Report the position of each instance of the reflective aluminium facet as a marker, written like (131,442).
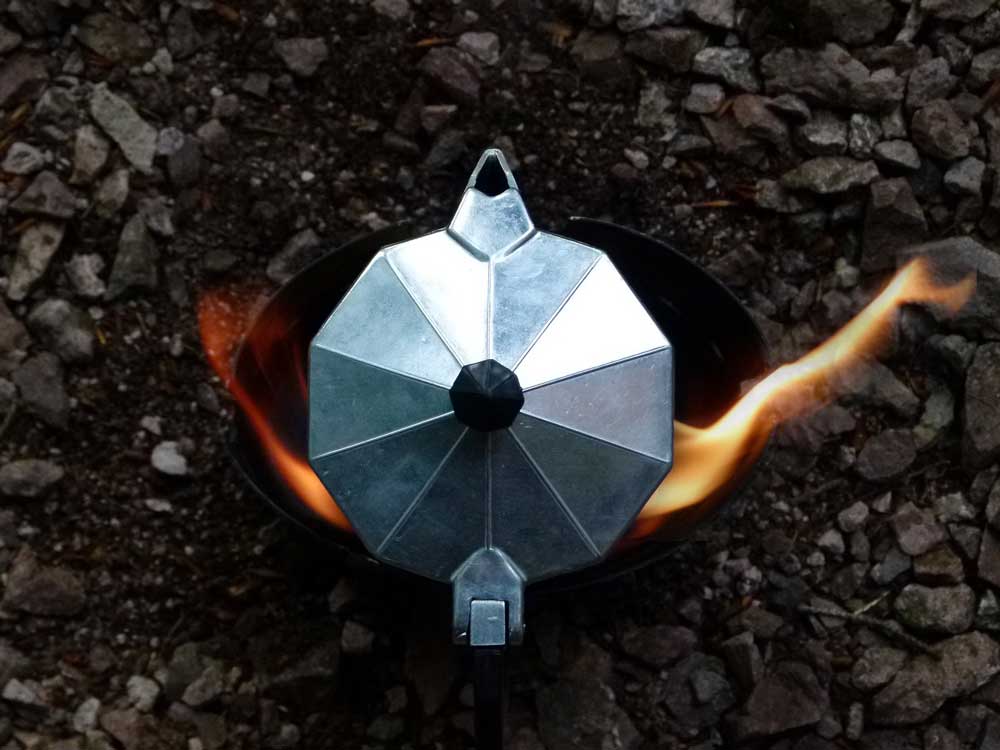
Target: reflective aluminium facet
(451,286)
(529,287)
(375,481)
(340,415)
(378,322)
(603,485)
(601,322)
(622,403)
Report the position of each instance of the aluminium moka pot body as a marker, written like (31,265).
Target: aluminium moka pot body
(490,405)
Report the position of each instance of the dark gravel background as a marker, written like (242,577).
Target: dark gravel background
(800,150)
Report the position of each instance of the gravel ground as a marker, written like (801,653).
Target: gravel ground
(800,150)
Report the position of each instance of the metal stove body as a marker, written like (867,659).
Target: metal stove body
(490,405)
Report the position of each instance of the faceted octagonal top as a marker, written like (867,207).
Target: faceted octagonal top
(413,426)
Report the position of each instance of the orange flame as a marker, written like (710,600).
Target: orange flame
(224,315)
(707,459)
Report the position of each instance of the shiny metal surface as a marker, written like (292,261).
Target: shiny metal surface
(529,287)
(451,287)
(614,403)
(493,510)
(601,322)
(406,342)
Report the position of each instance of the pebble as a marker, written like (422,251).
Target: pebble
(704,98)
(35,249)
(965,177)
(90,154)
(134,136)
(23,159)
(981,438)
(897,153)
(733,65)
(42,590)
(135,265)
(84,275)
(142,693)
(938,131)
(29,477)
(167,459)
(943,609)
(64,329)
(302,56)
(453,71)
(853,517)
(112,193)
(46,196)
(483,45)
(828,175)
(41,382)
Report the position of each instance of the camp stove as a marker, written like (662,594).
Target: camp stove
(491,405)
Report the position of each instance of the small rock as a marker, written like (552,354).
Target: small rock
(9,40)
(945,609)
(303,248)
(827,175)
(158,215)
(965,177)
(206,688)
(886,456)
(90,154)
(705,98)
(63,328)
(633,15)
(754,116)
(396,10)
(142,692)
(571,709)
(23,159)
(864,134)
(114,38)
(852,518)
(853,22)
(744,660)
(671,48)
(897,153)
(112,193)
(46,196)
(85,716)
(135,265)
(823,135)
(29,477)
(38,243)
(940,566)
(988,564)
(302,56)
(956,10)
(214,139)
(876,667)
(721,13)
(167,459)
(733,65)
(134,136)
(831,76)
(41,590)
(929,81)
(788,697)
(984,69)
(922,686)
(894,221)
(40,381)
(454,72)
(599,56)
(981,439)
(659,645)
(938,131)
(917,530)
(83,272)
(22,78)
(258,84)
(482,45)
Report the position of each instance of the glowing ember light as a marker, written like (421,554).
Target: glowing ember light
(708,460)
(224,315)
